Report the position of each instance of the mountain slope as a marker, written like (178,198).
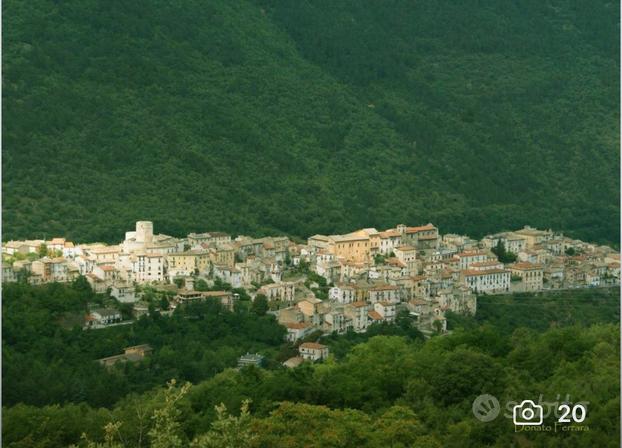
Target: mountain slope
(308,117)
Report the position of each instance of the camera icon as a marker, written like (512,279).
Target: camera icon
(527,413)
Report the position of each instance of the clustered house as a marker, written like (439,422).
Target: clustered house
(370,276)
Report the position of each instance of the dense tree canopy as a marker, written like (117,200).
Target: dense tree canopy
(46,359)
(309,117)
(389,387)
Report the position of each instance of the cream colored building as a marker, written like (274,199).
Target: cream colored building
(197,239)
(531,275)
(342,293)
(490,281)
(408,256)
(102,254)
(281,292)
(148,267)
(534,236)
(357,313)
(51,270)
(353,247)
(386,309)
(313,351)
(422,237)
(466,258)
(389,240)
(384,293)
(189,263)
(223,254)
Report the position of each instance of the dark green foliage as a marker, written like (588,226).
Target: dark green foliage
(540,311)
(44,362)
(386,391)
(385,387)
(260,305)
(502,254)
(340,345)
(309,117)
(201,285)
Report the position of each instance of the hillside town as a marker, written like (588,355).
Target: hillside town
(330,284)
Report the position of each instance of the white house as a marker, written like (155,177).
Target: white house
(124,293)
(386,310)
(313,351)
(342,293)
(486,281)
(357,313)
(297,330)
(148,267)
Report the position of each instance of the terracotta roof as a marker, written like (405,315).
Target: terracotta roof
(524,266)
(419,228)
(471,253)
(395,262)
(427,237)
(470,272)
(216,293)
(349,237)
(374,315)
(389,234)
(485,263)
(293,362)
(296,325)
(359,304)
(319,237)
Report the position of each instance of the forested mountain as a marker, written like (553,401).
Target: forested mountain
(384,388)
(304,117)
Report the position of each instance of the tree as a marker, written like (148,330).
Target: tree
(42,250)
(260,305)
(201,285)
(164,304)
(111,435)
(82,286)
(126,310)
(228,430)
(166,428)
(438,326)
(502,254)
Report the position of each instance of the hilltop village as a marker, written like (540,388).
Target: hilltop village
(333,283)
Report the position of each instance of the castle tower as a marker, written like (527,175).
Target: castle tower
(144,231)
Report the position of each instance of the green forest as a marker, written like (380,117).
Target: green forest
(272,116)
(388,387)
